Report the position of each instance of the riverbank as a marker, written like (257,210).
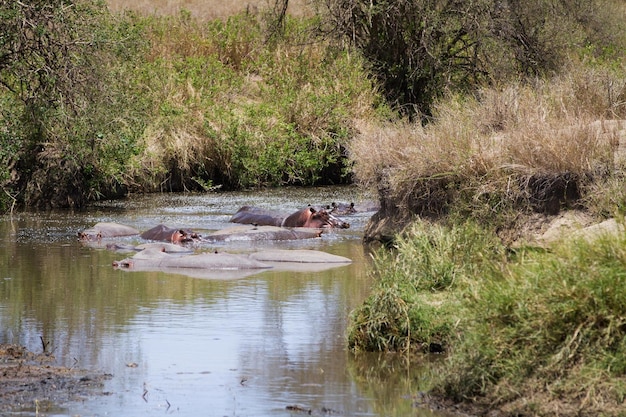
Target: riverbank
(482,216)
(32,383)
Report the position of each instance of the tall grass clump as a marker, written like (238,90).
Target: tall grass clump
(410,308)
(531,332)
(545,334)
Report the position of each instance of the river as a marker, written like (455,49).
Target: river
(268,344)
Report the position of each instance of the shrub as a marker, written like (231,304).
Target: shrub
(421,49)
(239,112)
(75,131)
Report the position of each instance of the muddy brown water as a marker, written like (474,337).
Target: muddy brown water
(268,344)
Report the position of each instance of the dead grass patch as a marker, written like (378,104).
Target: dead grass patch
(536,146)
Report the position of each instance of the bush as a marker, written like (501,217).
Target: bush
(170,103)
(422,49)
(238,112)
(75,130)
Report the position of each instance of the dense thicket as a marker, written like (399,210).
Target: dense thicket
(421,49)
(63,115)
(94,105)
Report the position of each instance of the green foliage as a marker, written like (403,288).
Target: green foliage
(239,113)
(548,316)
(77,129)
(546,324)
(146,103)
(410,305)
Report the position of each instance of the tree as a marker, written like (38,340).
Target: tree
(420,49)
(55,59)
(417,48)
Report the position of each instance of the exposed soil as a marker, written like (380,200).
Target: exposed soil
(31,382)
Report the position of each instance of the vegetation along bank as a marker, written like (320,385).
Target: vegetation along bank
(478,123)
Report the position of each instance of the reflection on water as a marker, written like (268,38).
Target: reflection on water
(174,343)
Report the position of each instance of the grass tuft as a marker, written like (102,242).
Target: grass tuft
(530,331)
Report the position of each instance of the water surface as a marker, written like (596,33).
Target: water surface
(175,344)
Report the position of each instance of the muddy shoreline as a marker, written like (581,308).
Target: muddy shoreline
(32,382)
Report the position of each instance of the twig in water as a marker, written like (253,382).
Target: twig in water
(44,344)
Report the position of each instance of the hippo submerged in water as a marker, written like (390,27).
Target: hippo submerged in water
(105,230)
(161,233)
(169,234)
(306,217)
(341,209)
(229,266)
(261,233)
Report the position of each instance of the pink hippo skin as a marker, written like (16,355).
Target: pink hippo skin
(319,219)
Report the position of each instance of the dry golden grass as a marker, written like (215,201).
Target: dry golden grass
(488,144)
(203,9)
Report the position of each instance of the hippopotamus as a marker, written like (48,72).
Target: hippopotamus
(342,208)
(155,258)
(306,217)
(162,246)
(298,256)
(229,266)
(169,234)
(105,230)
(256,233)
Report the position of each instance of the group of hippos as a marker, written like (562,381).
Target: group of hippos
(170,245)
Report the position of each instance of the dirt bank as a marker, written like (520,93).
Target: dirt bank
(31,382)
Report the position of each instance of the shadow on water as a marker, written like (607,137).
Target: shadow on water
(252,346)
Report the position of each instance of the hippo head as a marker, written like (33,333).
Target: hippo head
(179,236)
(310,217)
(90,235)
(323,218)
(184,236)
(342,208)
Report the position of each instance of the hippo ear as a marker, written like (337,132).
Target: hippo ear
(311,209)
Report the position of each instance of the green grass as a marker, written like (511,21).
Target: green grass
(177,103)
(523,331)
(231,109)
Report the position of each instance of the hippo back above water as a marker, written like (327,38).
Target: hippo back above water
(306,217)
(168,234)
(106,230)
(257,216)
